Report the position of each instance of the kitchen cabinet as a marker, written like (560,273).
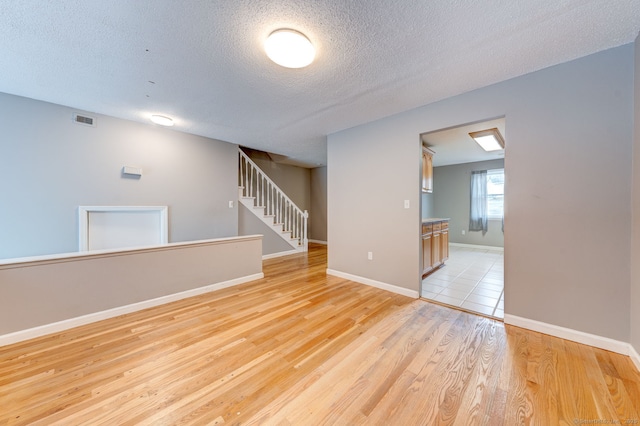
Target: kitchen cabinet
(435,244)
(436,258)
(444,241)
(427,263)
(427,169)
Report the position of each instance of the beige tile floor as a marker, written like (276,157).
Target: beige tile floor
(472,278)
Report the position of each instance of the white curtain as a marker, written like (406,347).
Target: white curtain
(478,211)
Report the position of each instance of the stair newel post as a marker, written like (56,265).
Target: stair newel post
(305,240)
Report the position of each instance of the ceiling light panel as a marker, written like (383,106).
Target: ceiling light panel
(289,48)
(162,120)
(489,140)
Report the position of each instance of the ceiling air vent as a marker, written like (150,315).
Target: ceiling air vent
(84,120)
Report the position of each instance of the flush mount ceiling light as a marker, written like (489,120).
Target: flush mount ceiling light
(289,48)
(162,120)
(489,140)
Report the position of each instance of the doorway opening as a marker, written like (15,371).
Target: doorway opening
(468,198)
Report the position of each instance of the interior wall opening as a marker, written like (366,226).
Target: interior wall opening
(462,216)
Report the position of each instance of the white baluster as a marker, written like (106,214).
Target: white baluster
(305,239)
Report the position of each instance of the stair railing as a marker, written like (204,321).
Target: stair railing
(255,183)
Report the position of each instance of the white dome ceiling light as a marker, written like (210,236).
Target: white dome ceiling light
(162,120)
(289,48)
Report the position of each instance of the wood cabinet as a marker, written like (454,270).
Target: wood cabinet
(444,242)
(427,264)
(435,244)
(427,169)
(436,258)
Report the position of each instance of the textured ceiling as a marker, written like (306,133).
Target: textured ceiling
(201,62)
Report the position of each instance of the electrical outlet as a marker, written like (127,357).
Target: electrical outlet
(464,232)
(370,255)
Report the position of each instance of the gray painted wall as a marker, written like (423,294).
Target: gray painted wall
(318,211)
(250,224)
(427,200)
(568,170)
(452,186)
(372,169)
(635,247)
(293,180)
(51,165)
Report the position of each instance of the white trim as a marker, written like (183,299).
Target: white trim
(58,326)
(635,357)
(83,220)
(373,283)
(601,342)
(318,242)
(279,254)
(51,258)
(474,246)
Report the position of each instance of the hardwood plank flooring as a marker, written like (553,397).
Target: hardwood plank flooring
(301,348)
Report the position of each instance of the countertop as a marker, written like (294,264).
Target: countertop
(435,219)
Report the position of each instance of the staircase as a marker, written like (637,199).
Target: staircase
(267,201)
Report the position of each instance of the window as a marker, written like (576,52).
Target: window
(495,193)
(487,198)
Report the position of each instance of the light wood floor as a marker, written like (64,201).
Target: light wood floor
(302,348)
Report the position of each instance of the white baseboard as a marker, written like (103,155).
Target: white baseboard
(475,246)
(605,343)
(635,357)
(318,242)
(280,254)
(373,283)
(19,336)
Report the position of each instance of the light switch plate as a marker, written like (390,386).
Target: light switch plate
(406,204)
